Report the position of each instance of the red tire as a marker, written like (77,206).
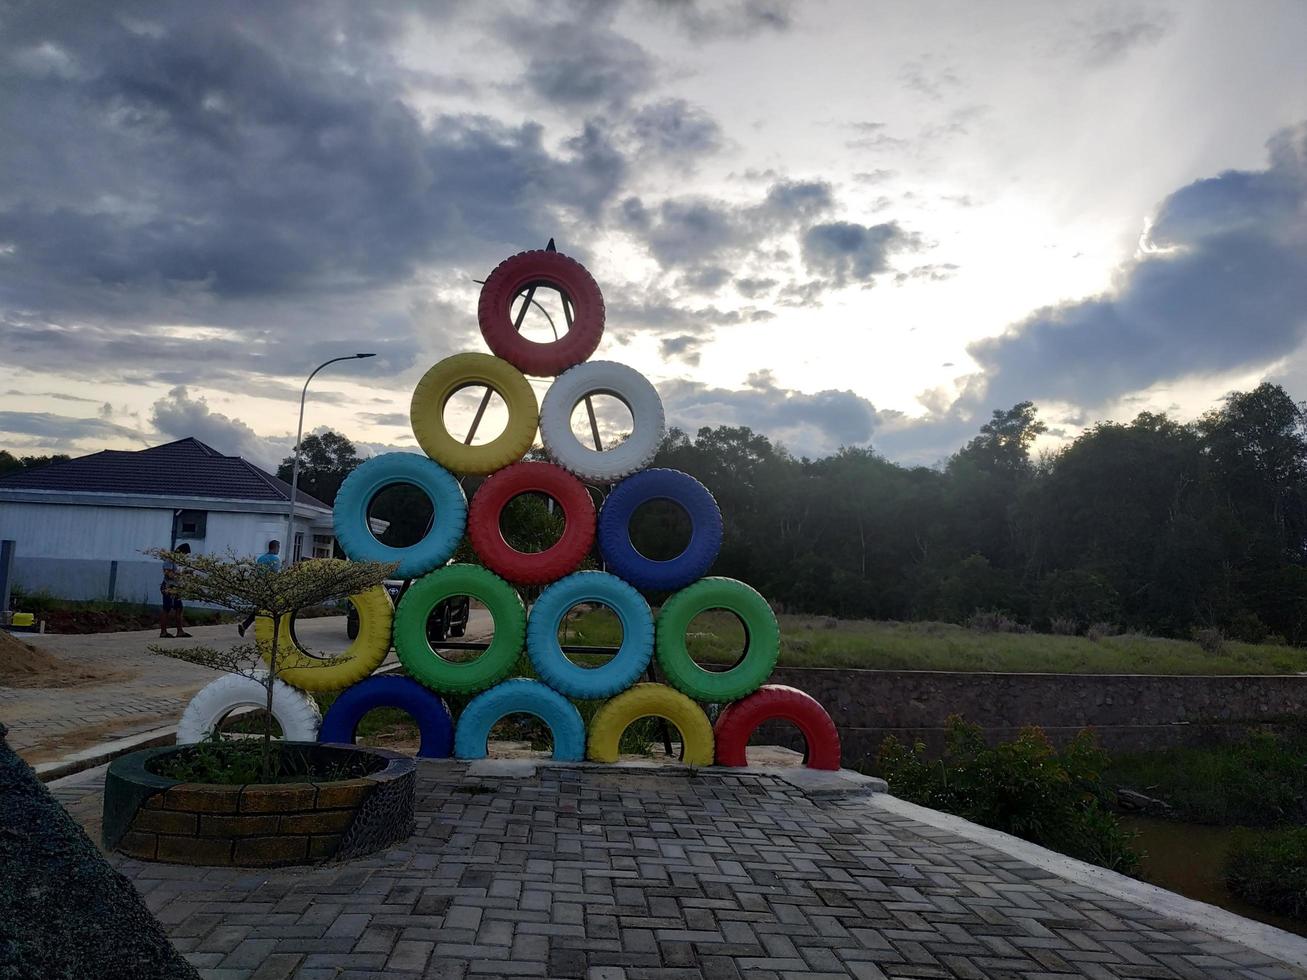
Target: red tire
(777,702)
(559,559)
(557,271)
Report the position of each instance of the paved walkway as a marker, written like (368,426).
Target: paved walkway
(617,874)
(148,692)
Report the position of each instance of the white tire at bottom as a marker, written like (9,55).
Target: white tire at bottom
(295,711)
(602,378)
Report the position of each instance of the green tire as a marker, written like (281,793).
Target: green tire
(762,640)
(428,667)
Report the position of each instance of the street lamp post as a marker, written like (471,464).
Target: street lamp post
(289,549)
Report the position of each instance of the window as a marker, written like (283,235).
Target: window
(298,552)
(191,524)
(322,546)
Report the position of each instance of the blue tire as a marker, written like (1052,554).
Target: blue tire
(447,499)
(514,696)
(389,691)
(615,532)
(623,669)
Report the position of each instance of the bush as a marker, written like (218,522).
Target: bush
(1023,787)
(1270,870)
(1099,631)
(993,621)
(1063,626)
(1258,782)
(1078,595)
(1211,640)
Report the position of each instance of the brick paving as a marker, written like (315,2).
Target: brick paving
(150,691)
(623,875)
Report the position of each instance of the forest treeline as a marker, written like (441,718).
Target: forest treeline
(1152,524)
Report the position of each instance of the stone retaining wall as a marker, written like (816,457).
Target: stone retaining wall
(1128,712)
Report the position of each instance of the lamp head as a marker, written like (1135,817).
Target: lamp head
(365,355)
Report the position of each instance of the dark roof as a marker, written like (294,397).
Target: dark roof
(185,468)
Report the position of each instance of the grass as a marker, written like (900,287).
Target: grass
(1258,782)
(1270,870)
(815,641)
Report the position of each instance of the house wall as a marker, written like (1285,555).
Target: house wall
(78,551)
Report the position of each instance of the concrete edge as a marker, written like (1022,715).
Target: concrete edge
(105,752)
(1259,936)
(817,784)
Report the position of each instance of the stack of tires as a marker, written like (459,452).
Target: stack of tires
(742,689)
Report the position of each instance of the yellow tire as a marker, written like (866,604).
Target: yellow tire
(297,668)
(442,382)
(651,701)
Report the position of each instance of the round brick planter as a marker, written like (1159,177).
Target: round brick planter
(258,825)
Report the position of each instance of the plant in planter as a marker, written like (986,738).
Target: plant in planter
(249,588)
(260,803)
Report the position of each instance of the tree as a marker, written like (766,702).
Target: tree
(10,463)
(249,588)
(325,460)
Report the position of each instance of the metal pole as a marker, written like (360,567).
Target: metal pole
(288,546)
(7,549)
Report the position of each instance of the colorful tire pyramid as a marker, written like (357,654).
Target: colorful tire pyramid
(742,689)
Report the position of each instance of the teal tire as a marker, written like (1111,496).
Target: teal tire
(350,512)
(520,696)
(623,669)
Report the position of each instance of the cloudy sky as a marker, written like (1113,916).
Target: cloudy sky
(838,223)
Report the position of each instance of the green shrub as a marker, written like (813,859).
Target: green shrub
(1269,870)
(1024,787)
(1258,782)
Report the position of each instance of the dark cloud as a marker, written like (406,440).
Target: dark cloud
(707,279)
(846,252)
(812,424)
(702,21)
(385,418)
(683,328)
(580,63)
(1221,285)
(249,168)
(1106,43)
(684,348)
(675,130)
(63,431)
(753,287)
(934,272)
(689,232)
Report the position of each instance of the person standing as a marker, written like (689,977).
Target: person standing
(269,559)
(171,601)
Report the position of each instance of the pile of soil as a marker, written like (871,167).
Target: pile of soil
(23,665)
(64,912)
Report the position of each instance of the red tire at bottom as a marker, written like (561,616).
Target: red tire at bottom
(559,559)
(776,702)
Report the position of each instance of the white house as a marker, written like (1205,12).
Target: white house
(80,526)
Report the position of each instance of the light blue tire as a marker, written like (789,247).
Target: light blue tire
(514,696)
(350,513)
(625,667)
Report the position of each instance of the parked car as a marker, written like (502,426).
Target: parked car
(448,620)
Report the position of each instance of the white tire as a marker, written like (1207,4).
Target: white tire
(295,711)
(602,378)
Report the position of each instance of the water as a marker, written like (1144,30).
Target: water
(1190,859)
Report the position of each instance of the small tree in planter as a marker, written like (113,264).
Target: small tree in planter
(246,587)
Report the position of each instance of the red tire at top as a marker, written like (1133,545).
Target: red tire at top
(559,559)
(776,702)
(555,271)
